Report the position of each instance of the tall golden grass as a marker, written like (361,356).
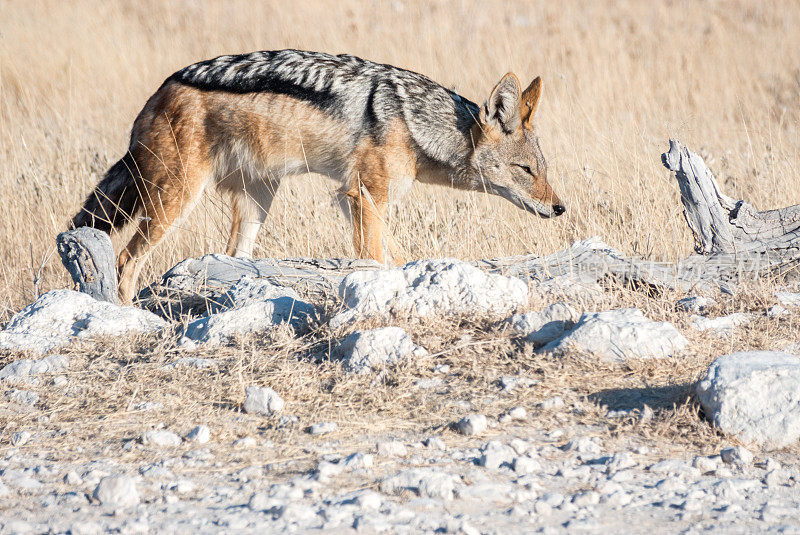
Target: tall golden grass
(621,77)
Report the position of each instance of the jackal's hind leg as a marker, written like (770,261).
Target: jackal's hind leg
(168,198)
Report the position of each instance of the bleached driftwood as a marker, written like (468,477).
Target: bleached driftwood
(733,241)
(88,255)
(722,225)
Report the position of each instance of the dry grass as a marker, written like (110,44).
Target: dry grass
(97,413)
(620,78)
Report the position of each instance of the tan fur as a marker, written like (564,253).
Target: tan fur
(246,143)
(375,170)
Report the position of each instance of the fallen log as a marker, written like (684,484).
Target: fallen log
(734,242)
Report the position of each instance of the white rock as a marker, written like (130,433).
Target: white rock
(737,455)
(426,482)
(473,424)
(244,442)
(368,499)
(495,454)
(555,402)
(788,299)
(616,335)
(26,369)
(428,287)
(435,443)
(200,434)
(323,428)
(518,413)
(20,438)
(696,304)
(755,396)
(357,461)
(391,448)
(58,316)
(583,499)
(584,445)
(23,397)
(706,464)
(509,382)
(160,437)
(526,465)
(248,291)
(72,478)
(117,492)
(722,325)
(540,328)
(366,351)
(261,400)
(777,311)
(221,328)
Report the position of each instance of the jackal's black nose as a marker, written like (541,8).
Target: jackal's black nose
(559,209)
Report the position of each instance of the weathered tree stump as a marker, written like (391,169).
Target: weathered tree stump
(722,225)
(88,255)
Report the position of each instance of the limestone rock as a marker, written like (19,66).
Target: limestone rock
(261,400)
(59,316)
(366,351)
(117,492)
(427,287)
(755,396)
(617,335)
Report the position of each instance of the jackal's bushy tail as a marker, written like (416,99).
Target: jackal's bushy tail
(114,201)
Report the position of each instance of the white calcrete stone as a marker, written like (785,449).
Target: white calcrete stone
(754,396)
(366,351)
(540,328)
(20,438)
(473,424)
(722,325)
(427,287)
(788,299)
(58,316)
(495,454)
(248,291)
(200,434)
(426,482)
(23,397)
(256,317)
(616,335)
(323,428)
(28,369)
(391,448)
(737,455)
(160,437)
(117,492)
(262,400)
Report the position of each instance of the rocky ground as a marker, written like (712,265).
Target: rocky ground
(436,398)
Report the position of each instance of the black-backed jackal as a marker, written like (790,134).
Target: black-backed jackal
(245,122)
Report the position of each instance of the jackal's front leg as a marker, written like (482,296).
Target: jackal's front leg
(371,236)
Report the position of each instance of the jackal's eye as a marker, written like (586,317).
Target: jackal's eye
(524,168)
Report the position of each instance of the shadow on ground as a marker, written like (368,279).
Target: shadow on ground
(656,397)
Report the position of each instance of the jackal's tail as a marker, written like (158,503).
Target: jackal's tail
(114,201)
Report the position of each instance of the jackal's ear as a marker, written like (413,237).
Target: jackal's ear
(501,110)
(529,102)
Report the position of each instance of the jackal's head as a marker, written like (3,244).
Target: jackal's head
(507,160)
